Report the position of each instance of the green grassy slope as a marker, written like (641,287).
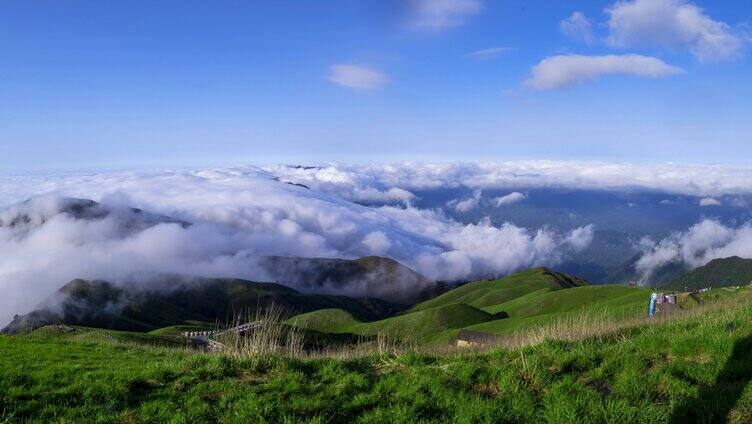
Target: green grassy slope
(179,329)
(423,325)
(419,326)
(324,320)
(99,335)
(540,308)
(690,369)
(493,292)
(601,297)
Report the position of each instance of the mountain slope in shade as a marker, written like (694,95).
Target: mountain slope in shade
(373,276)
(732,271)
(173,300)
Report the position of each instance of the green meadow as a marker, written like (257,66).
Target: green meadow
(692,368)
(689,367)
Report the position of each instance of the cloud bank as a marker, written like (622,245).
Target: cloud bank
(564,71)
(235,216)
(352,182)
(239,214)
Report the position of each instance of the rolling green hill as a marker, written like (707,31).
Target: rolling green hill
(324,320)
(418,325)
(500,307)
(177,300)
(733,271)
(493,292)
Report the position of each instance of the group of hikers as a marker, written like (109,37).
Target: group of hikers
(658,298)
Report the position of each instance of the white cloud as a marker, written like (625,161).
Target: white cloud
(442,14)
(358,77)
(709,201)
(563,71)
(509,198)
(466,205)
(578,28)
(580,238)
(701,243)
(377,242)
(672,24)
(489,53)
(350,183)
(238,214)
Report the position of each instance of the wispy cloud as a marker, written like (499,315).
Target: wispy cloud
(466,205)
(709,201)
(565,71)
(358,77)
(436,15)
(672,24)
(489,53)
(510,198)
(578,28)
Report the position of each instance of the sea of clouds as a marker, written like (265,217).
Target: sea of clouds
(347,211)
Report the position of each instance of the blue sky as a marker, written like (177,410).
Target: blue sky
(139,83)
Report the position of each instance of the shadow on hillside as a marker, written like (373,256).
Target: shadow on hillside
(714,402)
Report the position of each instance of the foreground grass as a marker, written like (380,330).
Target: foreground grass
(690,369)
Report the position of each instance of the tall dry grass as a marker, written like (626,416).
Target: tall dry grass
(269,335)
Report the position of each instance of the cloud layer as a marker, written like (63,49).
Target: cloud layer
(395,182)
(236,216)
(564,71)
(239,214)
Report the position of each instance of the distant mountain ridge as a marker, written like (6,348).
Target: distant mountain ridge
(731,271)
(173,300)
(374,276)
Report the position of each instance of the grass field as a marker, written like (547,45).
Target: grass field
(690,368)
